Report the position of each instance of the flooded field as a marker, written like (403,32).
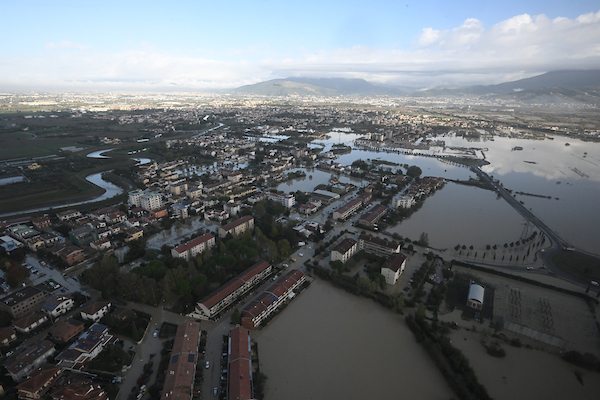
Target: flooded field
(328,344)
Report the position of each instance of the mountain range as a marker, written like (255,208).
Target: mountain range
(557,87)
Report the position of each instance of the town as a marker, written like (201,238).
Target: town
(122,297)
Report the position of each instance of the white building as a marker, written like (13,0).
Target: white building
(475,298)
(403,201)
(287,200)
(344,250)
(151,201)
(393,268)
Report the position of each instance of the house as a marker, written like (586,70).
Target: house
(180,211)
(89,344)
(102,244)
(133,234)
(80,390)
(41,222)
(68,215)
(403,201)
(344,250)
(237,227)
(64,331)
(19,365)
(69,254)
(7,336)
(287,200)
(95,311)
(476,295)
(30,322)
(57,305)
(39,383)
(393,268)
(22,302)
(180,376)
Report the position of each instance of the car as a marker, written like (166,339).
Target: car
(155,334)
(406,289)
(543,250)
(215,391)
(207,364)
(529,268)
(301,254)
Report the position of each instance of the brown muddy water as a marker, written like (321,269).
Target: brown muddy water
(328,344)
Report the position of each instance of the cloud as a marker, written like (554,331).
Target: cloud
(470,53)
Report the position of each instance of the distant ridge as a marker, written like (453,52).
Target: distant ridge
(568,86)
(320,87)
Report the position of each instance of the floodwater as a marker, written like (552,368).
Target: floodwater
(563,173)
(178,231)
(464,215)
(518,375)
(328,344)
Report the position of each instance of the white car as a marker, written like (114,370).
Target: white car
(207,364)
(301,254)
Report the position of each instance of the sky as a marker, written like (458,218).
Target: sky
(212,45)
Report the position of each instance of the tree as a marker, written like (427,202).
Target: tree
(284,248)
(424,239)
(413,171)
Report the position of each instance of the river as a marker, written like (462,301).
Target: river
(328,344)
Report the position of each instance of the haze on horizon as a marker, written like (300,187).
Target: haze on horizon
(197,45)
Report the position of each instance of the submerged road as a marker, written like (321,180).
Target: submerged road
(559,245)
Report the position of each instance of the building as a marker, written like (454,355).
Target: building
(180,211)
(194,247)
(179,380)
(324,196)
(102,244)
(344,250)
(372,217)
(378,246)
(30,322)
(83,236)
(239,360)
(237,227)
(80,390)
(69,254)
(151,201)
(135,197)
(403,202)
(216,215)
(475,298)
(346,210)
(178,188)
(232,208)
(38,384)
(57,305)
(393,268)
(271,299)
(89,344)
(64,331)
(220,299)
(68,215)
(95,311)
(7,336)
(23,302)
(133,234)
(287,200)
(21,364)
(41,222)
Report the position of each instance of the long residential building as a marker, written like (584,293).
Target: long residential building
(224,296)
(179,380)
(239,377)
(194,247)
(346,210)
(378,246)
(265,304)
(237,227)
(371,217)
